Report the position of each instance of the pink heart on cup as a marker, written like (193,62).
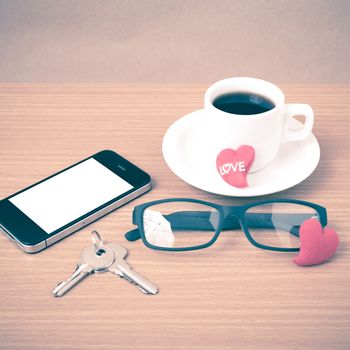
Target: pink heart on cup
(233,166)
(317,244)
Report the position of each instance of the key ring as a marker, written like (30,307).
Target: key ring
(96,240)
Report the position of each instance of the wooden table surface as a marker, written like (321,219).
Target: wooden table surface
(229,296)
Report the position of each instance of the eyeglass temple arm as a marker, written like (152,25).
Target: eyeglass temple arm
(202,220)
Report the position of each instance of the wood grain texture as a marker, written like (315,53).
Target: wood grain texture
(230,296)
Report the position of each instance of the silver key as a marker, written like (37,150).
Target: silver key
(92,261)
(121,268)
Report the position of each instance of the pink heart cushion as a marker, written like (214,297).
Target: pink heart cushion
(317,244)
(233,166)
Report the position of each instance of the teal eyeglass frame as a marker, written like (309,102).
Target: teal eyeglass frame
(230,217)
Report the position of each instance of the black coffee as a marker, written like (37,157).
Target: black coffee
(243,103)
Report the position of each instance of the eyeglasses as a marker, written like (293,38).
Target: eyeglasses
(187,224)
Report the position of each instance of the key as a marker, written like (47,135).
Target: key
(92,261)
(121,268)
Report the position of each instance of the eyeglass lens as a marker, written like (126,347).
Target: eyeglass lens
(277,224)
(179,224)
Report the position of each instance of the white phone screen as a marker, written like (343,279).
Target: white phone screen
(65,197)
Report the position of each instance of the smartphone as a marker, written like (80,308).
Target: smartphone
(44,213)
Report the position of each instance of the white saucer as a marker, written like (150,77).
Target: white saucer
(293,164)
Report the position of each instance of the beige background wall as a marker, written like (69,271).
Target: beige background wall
(174,41)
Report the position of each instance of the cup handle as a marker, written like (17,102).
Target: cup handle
(292,110)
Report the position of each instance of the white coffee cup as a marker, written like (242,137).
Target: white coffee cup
(265,132)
